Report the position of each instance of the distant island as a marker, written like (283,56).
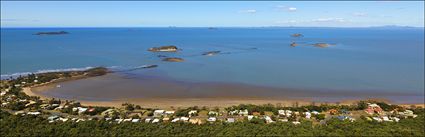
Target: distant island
(170,48)
(52,33)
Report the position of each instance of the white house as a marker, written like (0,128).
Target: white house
(147,120)
(155,120)
(230,120)
(192,112)
(158,113)
(243,112)
(184,119)
(250,117)
(307,115)
(175,120)
(34,113)
(212,119)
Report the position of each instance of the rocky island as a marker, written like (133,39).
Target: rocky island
(170,48)
(52,33)
(297,35)
(321,45)
(293,44)
(211,53)
(173,59)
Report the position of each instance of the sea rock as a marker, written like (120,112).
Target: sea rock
(149,66)
(173,59)
(52,33)
(293,44)
(170,48)
(321,45)
(211,53)
(297,35)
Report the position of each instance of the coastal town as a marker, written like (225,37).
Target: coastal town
(16,102)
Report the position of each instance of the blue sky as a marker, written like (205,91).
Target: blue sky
(215,14)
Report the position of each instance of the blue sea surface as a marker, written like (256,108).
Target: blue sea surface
(362,59)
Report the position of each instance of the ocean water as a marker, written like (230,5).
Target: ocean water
(362,59)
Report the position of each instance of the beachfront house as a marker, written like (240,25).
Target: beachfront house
(169,113)
(34,113)
(155,120)
(307,115)
(192,113)
(268,119)
(250,117)
(175,120)
(184,119)
(147,120)
(230,120)
(243,112)
(195,121)
(212,119)
(158,113)
(373,108)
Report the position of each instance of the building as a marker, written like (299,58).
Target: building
(158,113)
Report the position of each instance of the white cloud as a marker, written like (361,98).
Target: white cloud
(329,20)
(287,22)
(286,8)
(251,11)
(292,9)
(359,14)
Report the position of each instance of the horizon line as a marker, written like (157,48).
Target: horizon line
(389,26)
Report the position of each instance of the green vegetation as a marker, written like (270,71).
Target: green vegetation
(36,126)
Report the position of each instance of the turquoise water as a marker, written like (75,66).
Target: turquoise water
(366,59)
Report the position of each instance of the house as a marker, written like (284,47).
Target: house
(230,120)
(30,103)
(195,121)
(20,112)
(212,119)
(147,120)
(63,119)
(296,122)
(81,110)
(166,119)
(127,120)
(307,115)
(288,113)
(250,117)
(52,118)
(135,120)
(184,119)
(175,120)
(268,119)
(281,112)
(385,118)
(333,111)
(34,113)
(192,113)
(314,112)
(155,120)
(377,119)
(243,112)
(3,93)
(373,108)
(283,120)
(108,112)
(169,113)
(233,112)
(119,120)
(158,113)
